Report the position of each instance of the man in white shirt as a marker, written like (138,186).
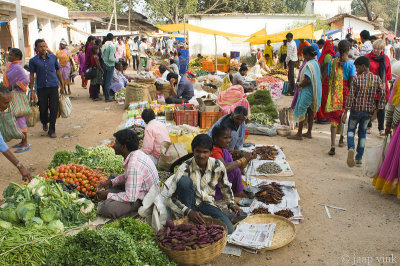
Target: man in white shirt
(388,49)
(291,60)
(163,71)
(134,46)
(354,53)
(170,45)
(366,48)
(142,54)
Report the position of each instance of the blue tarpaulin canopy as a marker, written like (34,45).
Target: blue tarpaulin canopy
(329,33)
(3,22)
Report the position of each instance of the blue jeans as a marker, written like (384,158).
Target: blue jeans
(362,119)
(108,76)
(185,193)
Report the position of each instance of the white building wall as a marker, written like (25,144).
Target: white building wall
(82,25)
(328,8)
(33,32)
(242,24)
(356,25)
(60,33)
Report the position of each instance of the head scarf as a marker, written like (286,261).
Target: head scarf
(395,94)
(327,49)
(382,66)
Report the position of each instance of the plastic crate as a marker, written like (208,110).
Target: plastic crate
(209,66)
(208,119)
(185,53)
(186,114)
(223,68)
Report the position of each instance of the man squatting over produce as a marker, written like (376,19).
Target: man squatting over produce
(192,189)
(124,194)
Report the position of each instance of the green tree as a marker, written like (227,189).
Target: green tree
(374,9)
(295,6)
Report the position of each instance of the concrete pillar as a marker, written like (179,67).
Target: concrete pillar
(47,34)
(14,29)
(33,33)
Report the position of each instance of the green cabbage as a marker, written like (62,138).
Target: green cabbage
(35,222)
(56,226)
(26,210)
(9,214)
(5,225)
(47,213)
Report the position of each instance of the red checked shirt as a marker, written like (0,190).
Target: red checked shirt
(139,176)
(362,95)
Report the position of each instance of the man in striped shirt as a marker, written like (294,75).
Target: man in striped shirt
(124,194)
(362,105)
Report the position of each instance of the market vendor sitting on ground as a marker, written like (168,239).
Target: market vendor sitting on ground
(163,71)
(239,79)
(181,89)
(155,133)
(123,194)
(221,136)
(192,189)
(173,67)
(119,80)
(236,123)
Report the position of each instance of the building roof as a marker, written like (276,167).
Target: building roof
(376,25)
(250,14)
(93,15)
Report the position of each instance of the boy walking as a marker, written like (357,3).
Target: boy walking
(362,105)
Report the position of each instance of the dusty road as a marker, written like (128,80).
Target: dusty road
(367,233)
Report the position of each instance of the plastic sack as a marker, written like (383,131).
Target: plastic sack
(374,157)
(146,209)
(161,212)
(170,152)
(65,106)
(186,139)
(34,115)
(8,127)
(257,129)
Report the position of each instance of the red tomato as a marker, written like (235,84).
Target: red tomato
(83,190)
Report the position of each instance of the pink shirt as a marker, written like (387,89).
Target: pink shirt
(139,176)
(120,51)
(154,134)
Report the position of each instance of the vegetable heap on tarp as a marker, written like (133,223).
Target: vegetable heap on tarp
(95,157)
(44,204)
(263,110)
(124,242)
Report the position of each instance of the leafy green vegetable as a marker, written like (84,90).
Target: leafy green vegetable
(5,225)
(102,247)
(260,97)
(56,226)
(11,190)
(268,109)
(136,229)
(62,157)
(9,214)
(35,222)
(48,213)
(26,210)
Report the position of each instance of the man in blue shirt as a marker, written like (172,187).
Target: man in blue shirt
(181,89)
(108,53)
(48,79)
(5,98)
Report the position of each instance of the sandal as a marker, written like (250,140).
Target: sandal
(332,151)
(23,149)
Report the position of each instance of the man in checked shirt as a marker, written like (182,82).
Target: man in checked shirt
(362,105)
(123,195)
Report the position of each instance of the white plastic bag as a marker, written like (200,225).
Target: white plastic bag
(161,212)
(148,201)
(65,106)
(374,157)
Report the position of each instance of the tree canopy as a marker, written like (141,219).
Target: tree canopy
(374,9)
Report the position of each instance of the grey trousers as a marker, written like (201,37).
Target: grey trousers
(117,209)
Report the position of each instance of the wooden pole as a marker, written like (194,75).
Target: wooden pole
(20,27)
(115,12)
(109,23)
(129,16)
(216,62)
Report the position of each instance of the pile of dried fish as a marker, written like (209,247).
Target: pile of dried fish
(285,213)
(236,155)
(260,210)
(269,168)
(266,152)
(270,194)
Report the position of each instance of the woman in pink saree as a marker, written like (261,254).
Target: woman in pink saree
(15,77)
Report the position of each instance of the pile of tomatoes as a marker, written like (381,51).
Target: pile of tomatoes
(84,178)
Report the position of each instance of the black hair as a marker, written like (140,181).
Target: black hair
(362,60)
(351,41)
(240,110)
(321,41)
(365,34)
(124,64)
(172,75)
(243,65)
(289,35)
(97,42)
(171,61)
(89,39)
(198,55)
(202,140)
(162,68)
(348,35)
(118,64)
(128,138)
(119,38)
(95,47)
(373,38)
(243,68)
(136,38)
(38,41)
(343,47)
(309,50)
(17,52)
(148,115)
(218,131)
(26,67)
(109,37)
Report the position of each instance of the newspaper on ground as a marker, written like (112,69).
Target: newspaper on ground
(254,236)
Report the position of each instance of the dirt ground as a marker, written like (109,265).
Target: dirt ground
(368,233)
